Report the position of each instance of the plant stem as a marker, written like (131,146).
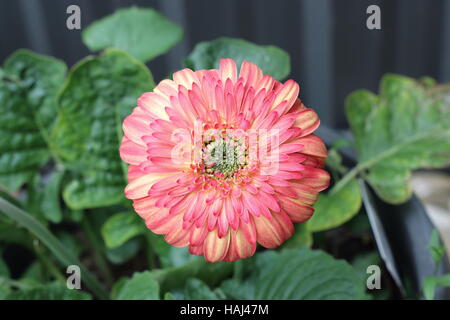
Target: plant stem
(47,263)
(346,179)
(53,244)
(362,166)
(99,259)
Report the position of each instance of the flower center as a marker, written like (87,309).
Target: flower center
(223,156)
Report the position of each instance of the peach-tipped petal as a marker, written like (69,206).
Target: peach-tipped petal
(220,160)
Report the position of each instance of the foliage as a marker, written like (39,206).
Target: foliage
(272,60)
(144,33)
(437,252)
(62,181)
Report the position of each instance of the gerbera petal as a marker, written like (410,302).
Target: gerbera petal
(271,233)
(228,70)
(215,248)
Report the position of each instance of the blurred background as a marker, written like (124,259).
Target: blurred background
(332,52)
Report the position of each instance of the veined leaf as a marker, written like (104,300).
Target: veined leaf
(121,227)
(175,277)
(272,60)
(402,129)
(332,210)
(28,89)
(142,286)
(52,291)
(197,290)
(297,275)
(42,77)
(143,33)
(98,93)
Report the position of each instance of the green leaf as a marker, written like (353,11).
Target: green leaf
(27,106)
(297,275)
(65,256)
(272,60)
(42,77)
(302,238)
(51,291)
(435,247)
(169,296)
(125,252)
(51,204)
(43,198)
(403,129)
(431,283)
(143,33)
(142,286)
(98,93)
(169,256)
(175,277)
(121,227)
(4,270)
(332,210)
(197,290)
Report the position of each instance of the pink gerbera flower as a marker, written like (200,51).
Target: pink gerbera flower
(220,161)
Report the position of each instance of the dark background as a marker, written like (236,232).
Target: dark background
(332,52)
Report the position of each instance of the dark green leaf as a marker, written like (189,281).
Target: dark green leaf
(43,197)
(302,238)
(27,105)
(197,290)
(332,210)
(42,77)
(51,205)
(121,227)
(175,278)
(52,291)
(169,256)
(298,275)
(272,60)
(142,286)
(98,92)
(4,270)
(402,129)
(124,252)
(143,33)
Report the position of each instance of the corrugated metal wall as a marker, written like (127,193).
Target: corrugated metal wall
(331,49)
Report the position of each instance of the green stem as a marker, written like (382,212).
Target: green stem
(47,263)
(362,166)
(99,259)
(53,244)
(346,179)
